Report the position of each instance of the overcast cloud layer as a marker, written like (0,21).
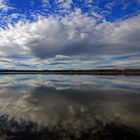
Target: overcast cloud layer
(69,38)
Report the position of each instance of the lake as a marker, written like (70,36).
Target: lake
(69,107)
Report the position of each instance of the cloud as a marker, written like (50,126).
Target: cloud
(45,3)
(66,4)
(74,36)
(4,5)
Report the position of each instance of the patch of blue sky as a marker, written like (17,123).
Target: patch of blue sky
(112,10)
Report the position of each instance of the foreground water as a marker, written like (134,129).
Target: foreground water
(61,107)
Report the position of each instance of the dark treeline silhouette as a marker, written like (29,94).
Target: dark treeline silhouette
(83,72)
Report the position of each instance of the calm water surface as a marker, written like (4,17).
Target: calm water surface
(49,107)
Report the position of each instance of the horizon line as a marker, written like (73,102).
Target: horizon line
(76,72)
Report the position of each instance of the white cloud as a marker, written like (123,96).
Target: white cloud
(66,3)
(4,6)
(75,36)
(45,3)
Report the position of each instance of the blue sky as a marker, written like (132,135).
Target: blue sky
(69,34)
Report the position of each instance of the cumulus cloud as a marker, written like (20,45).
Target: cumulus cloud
(74,36)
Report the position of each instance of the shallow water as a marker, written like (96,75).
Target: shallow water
(69,107)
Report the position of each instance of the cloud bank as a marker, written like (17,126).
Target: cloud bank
(74,41)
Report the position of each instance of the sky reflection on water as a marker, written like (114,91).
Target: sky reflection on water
(79,101)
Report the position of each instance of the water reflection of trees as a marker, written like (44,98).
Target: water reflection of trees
(10,129)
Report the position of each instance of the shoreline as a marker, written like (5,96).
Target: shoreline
(75,72)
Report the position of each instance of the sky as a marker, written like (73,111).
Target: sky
(69,34)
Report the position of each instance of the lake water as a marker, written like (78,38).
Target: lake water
(68,107)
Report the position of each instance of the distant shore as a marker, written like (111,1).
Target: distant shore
(76,72)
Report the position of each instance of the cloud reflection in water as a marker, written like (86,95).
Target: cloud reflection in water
(74,102)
